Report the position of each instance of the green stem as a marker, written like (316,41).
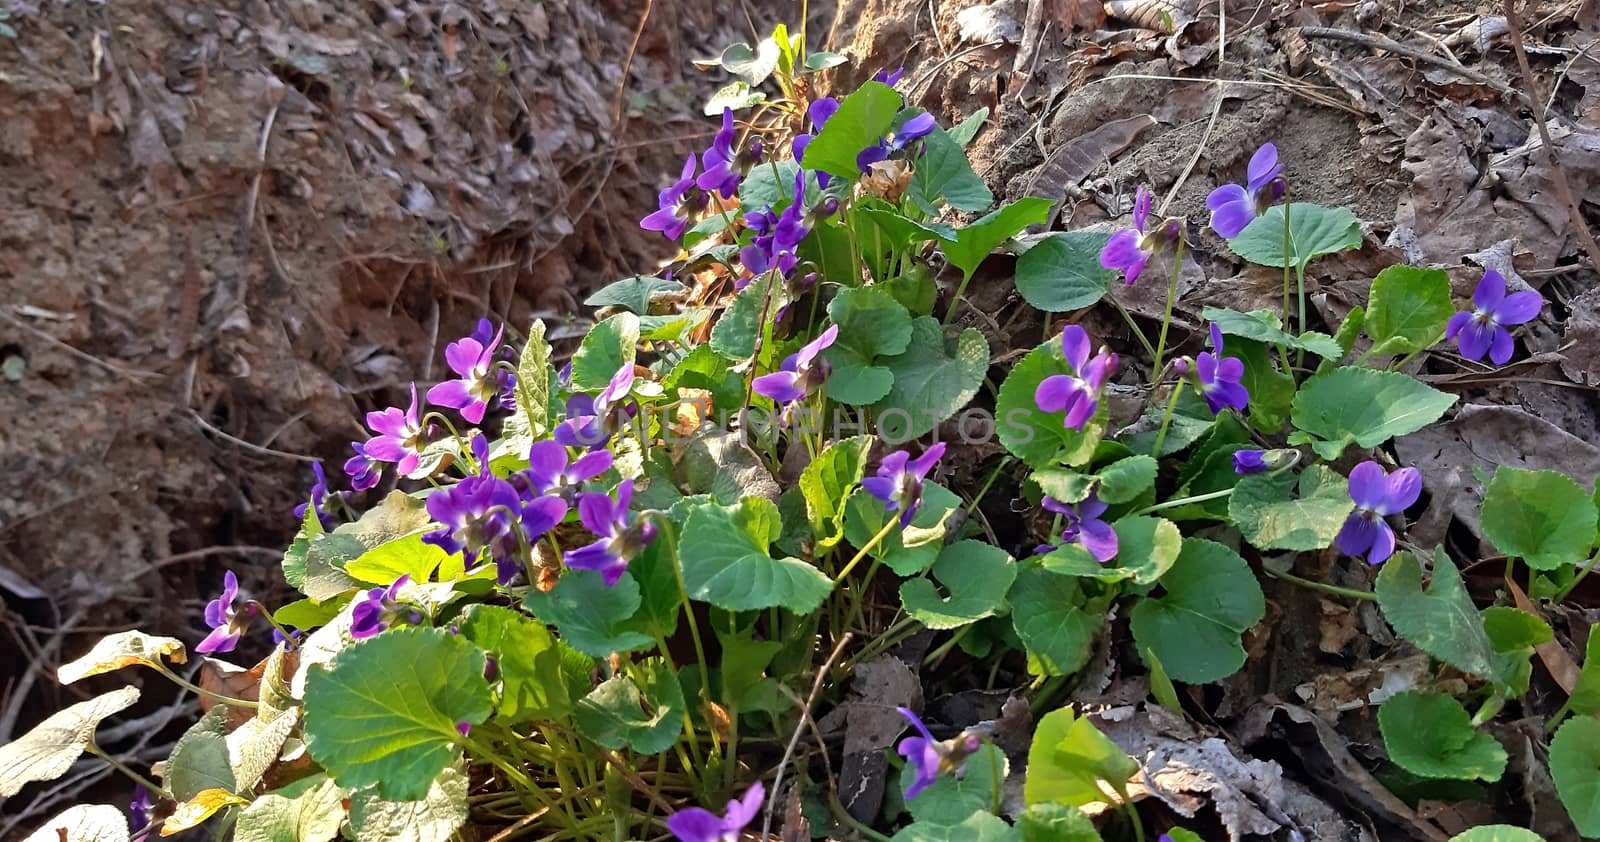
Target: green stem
(862,553)
(466,446)
(137,778)
(944,648)
(1166,419)
(1288,248)
(1352,593)
(688,613)
(1593,560)
(1132,813)
(1132,326)
(955,303)
(1184,501)
(982,492)
(840,813)
(193,688)
(1300,285)
(1166,319)
(860,597)
(267,615)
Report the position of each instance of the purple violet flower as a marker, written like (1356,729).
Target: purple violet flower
(819,111)
(549,471)
(889,77)
(697,824)
(227,622)
(1376,495)
(1076,394)
(319,498)
(380,609)
(485,514)
(139,809)
(400,435)
(1130,249)
(479,382)
(1249,461)
(800,373)
(622,535)
(362,469)
(591,422)
(723,166)
(1081,524)
(676,204)
(929,757)
(1234,206)
(1482,329)
(911,130)
(899,481)
(485,333)
(1219,377)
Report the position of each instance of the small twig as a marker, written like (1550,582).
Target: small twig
(794,739)
(1378,42)
(265,451)
(111,367)
(1547,149)
(1216,112)
(627,65)
(633,779)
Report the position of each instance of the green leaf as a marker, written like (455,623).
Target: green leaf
(943,173)
(736,95)
(827,482)
(1065,485)
(822,60)
(1585,699)
(769,185)
(907,551)
(590,616)
(1056,823)
(386,712)
(1514,634)
(1541,517)
(1272,516)
(1314,230)
(1408,309)
(734,335)
(1048,614)
(1191,421)
(1062,272)
(933,379)
(1211,599)
(752,66)
(1040,439)
(435,818)
(1126,478)
(964,131)
(1497,833)
(313,814)
(1147,547)
(200,758)
(81,822)
(950,800)
(726,560)
(863,118)
(1431,735)
(705,369)
(1441,621)
(407,556)
(533,385)
(1367,407)
(974,574)
(1349,331)
(646,717)
(608,347)
(871,324)
(528,664)
(1271,391)
(633,293)
(123,649)
(1068,759)
(974,242)
(307,613)
(1161,684)
(294,558)
(976,827)
(718,462)
(1575,766)
(1264,326)
(902,231)
(48,750)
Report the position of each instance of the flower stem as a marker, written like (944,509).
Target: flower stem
(129,773)
(862,553)
(1166,419)
(955,303)
(466,446)
(688,608)
(267,615)
(1352,593)
(198,690)
(1184,501)
(1132,325)
(1593,560)
(1166,319)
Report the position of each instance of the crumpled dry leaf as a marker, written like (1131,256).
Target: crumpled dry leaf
(1160,15)
(1581,359)
(1074,160)
(871,725)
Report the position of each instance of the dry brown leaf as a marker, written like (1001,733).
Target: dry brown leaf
(1073,161)
(1160,15)
(123,649)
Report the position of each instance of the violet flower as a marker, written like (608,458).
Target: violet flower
(483,514)
(1482,329)
(319,499)
(819,111)
(400,435)
(1076,394)
(777,241)
(549,471)
(362,469)
(1376,496)
(1234,206)
(1219,377)
(1081,524)
(622,536)
(723,166)
(889,77)
(911,130)
(929,757)
(380,609)
(1130,249)
(485,333)
(139,809)
(591,422)
(697,824)
(802,372)
(227,622)
(674,205)
(1249,461)
(479,382)
(899,481)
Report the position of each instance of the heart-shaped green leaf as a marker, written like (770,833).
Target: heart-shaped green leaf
(933,379)
(1441,621)
(1431,735)
(1575,766)
(1211,599)
(1050,615)
(726,560)
(1408,309)
(607,347)
(1541,517)
(646,716)
(863,118)
(1273,515)
(976,577)
(591,617)
(1062,272)
(1314,231)
(1363,406)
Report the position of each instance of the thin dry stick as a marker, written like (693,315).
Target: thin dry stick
(1546,147)
(1216,111)
(627,64)
(265,451)
(634,780)
(1379,42)
(89,358)
(794,739)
